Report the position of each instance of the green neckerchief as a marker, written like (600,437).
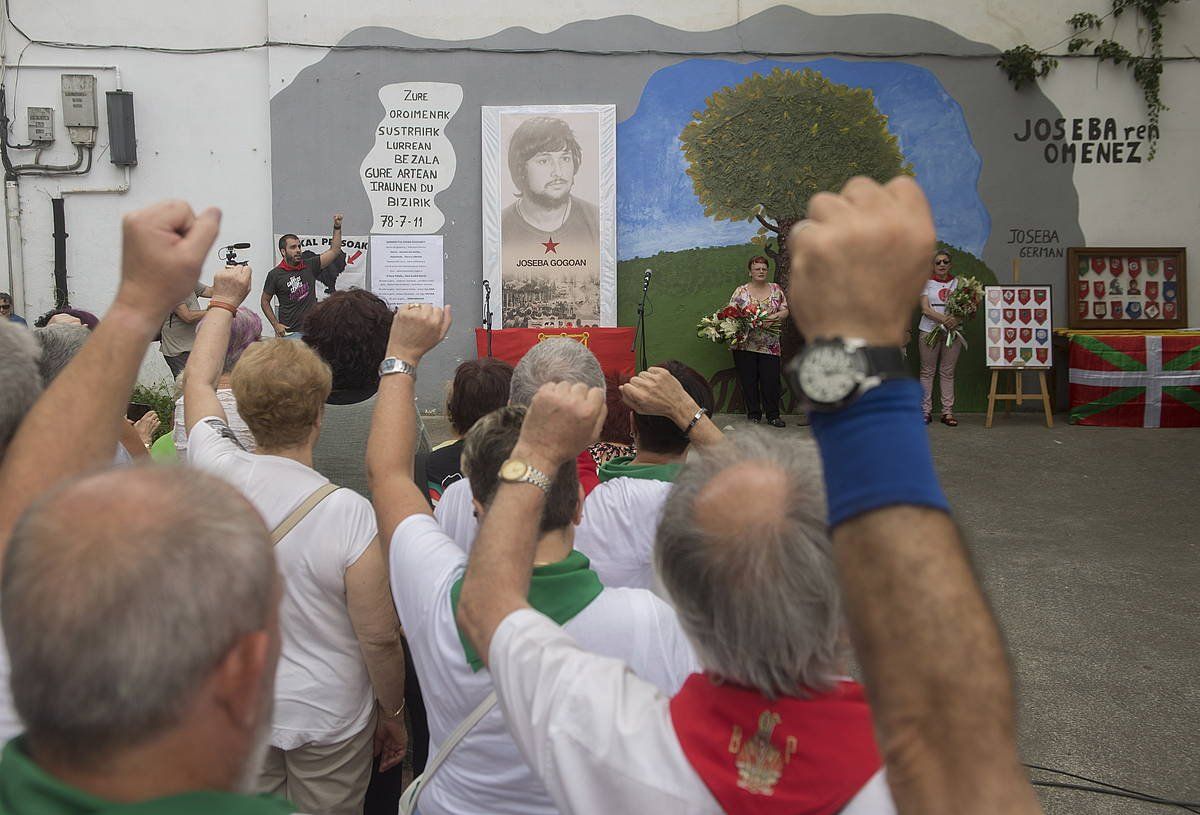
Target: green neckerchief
(26,789)
(560,591)
(623,467)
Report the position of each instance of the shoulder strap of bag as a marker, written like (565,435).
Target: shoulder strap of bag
(288,523)
(408,801)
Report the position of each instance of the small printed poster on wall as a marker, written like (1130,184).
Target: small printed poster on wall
(1017,326)
(408,269)
(549,214)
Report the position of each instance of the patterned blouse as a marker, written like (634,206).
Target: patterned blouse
(758,340)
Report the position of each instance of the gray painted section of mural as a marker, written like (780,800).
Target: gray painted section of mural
(324,122)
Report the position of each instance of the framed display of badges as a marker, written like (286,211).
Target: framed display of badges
(1017,326)
(1127,288)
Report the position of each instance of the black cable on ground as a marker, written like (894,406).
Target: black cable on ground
(1106,788)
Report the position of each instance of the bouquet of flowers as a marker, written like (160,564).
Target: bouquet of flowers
(963,303)
(732,324)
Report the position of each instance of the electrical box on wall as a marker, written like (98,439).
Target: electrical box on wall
(41,124)
(79,107)
(122,139)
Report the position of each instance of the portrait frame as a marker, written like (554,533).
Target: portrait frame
(595,176)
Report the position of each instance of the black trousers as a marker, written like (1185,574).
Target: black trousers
(383,792)
(177,363)
(758,374)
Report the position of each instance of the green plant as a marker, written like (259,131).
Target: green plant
(160,396)
(1024,64)
(762,148)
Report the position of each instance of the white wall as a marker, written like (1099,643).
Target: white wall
(203,119)
(202,130)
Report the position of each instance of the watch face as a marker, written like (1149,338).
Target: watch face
(388,365)
(828,374)
(513,470)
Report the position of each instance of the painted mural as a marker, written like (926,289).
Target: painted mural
(717,154)
(742,147)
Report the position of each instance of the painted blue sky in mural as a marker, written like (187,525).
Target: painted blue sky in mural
(657,209)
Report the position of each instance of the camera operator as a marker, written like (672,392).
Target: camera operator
(294,281)
(178,331)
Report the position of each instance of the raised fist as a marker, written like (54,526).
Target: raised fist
(163,247)
(416,328)
(563,419)
(859,261)
(231,284)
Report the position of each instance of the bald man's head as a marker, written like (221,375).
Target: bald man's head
(743,552)
(122,591)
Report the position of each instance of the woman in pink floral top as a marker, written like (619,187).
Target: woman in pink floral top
(757,357)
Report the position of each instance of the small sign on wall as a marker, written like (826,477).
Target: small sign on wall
(412,160)
(1017,326)
(408,269)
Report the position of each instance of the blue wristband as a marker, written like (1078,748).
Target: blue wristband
(876,453)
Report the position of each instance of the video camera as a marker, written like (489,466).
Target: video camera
(229,254)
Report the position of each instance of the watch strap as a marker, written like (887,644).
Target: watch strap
(532,475)
(885,361)
(395,365)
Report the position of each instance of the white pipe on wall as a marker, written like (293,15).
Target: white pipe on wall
(16,256)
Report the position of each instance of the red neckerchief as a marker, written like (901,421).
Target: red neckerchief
(287,267)
(791,755)
(589,478)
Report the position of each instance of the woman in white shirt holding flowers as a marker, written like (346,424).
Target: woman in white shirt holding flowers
(939,356)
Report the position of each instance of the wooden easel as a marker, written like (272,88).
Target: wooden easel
(1018,395)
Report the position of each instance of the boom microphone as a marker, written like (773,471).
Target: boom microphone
(487,287)
(238,246)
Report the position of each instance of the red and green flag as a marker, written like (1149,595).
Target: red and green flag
(1135,380)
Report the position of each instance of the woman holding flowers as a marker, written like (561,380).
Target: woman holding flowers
(756,357)
(939,356)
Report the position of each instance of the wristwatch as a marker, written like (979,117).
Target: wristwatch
(395,365)
(515,471)
(830,374)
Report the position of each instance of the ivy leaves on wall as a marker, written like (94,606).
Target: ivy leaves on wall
(1024,64)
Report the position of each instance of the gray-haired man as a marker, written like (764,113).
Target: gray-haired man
(142,657)
(143,647)
(558,359)
(742,550)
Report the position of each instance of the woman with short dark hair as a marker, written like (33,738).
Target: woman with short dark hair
(349,330)
(479,387)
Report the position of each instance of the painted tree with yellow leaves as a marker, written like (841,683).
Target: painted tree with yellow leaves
(763,148)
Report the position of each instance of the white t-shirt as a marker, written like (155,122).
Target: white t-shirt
(229,403)
(600,738)
(455,513)
(620,519)
(485,773)
(938,292)
(323,694)
(10,723)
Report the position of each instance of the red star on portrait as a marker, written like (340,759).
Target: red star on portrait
(551,246)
